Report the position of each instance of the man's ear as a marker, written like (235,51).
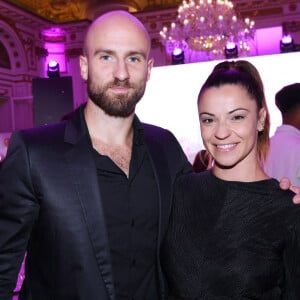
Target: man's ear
(83,62)
(149,67)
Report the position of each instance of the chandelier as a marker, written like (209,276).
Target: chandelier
(207,26)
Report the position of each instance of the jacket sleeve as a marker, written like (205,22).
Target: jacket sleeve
(18,211)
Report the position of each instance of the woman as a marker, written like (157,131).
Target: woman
(241,238)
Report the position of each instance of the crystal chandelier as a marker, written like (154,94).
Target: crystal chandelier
(207,26)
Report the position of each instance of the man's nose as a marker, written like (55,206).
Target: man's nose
(121,70)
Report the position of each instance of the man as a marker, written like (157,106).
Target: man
(89,198)
(284,155)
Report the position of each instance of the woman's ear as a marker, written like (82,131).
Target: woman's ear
(261,119)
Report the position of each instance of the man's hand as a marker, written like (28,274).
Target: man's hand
(285,184)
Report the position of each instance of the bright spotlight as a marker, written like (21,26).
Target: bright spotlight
(177,57)
(231,50)
(287,44)
(53,69)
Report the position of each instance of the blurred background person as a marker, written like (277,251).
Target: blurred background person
(284,155)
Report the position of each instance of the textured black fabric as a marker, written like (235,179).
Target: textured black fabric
(232,240)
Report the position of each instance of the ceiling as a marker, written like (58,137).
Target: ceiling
(59,11)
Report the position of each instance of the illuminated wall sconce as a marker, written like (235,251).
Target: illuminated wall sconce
(231,50)
(53,69)
(287,44)
(177,56)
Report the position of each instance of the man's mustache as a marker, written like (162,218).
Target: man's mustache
(121,83)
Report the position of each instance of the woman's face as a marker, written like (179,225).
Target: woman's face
(229,124)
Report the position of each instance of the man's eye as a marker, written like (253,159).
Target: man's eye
(105,57)
(134,59)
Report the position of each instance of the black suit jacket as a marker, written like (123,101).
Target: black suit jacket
(50,206)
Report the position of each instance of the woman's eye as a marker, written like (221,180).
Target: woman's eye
(238,117)
(207,120)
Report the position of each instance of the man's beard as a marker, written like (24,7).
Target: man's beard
(119,105)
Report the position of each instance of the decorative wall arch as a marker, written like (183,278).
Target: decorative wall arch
(14,48)
(14,81)
(4,58)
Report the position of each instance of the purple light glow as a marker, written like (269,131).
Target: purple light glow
(52,63)
(230,45)
(287,39)
(56,52)
(177,51)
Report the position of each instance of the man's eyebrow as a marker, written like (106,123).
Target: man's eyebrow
(141,53)
(111,52)
(108,51)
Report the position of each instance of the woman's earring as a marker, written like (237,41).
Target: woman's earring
(260,127)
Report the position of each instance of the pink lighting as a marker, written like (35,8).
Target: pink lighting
(54,35)
(177,56)
(177,51)
(287,39)
(267,41)
(52,63)
(231,50)
(53,69)
(287,44)
(230,45)
(55,39)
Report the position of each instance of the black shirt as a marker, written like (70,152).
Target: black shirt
(131,213)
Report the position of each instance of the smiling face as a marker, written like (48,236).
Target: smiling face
(229,122)
(116,64)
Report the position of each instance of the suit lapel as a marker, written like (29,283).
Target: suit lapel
(82,170)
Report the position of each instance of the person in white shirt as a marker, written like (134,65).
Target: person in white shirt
(284,154)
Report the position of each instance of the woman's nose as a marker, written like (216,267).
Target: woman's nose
(222,130)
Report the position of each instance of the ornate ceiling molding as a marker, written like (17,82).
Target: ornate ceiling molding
(64,11)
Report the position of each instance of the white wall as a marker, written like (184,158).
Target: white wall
(171,94)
